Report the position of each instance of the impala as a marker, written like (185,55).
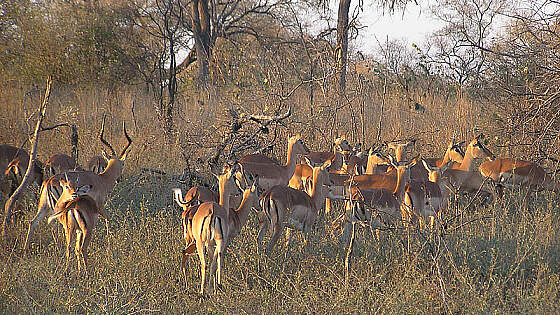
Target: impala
(385,202)
(400,148)
(340,147)
(79,214)
(424,198)
(210,229)
(101,184)
(274,174)
(13,165)
(463,177)
(60,163)
(453,153)
(285,206)
(97,164)
(510,172)
(376,163)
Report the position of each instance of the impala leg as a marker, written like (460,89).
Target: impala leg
(69,239)
(200,251)
(78,249)
(275,236)
(40,215)
(328,205)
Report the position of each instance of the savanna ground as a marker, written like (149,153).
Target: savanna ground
(500,257)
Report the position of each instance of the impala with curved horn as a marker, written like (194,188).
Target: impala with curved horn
(101,184)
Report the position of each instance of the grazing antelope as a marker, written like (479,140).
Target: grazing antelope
(13,166)
(209,227)
(101,184)
(512,172)
(80,214)
(464,177)
(97,164)
(285,206)
(60,163)
(274,174)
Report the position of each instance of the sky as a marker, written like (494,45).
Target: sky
(412,26)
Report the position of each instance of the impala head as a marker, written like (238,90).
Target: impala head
(297,145)
(73,191)
(478,150)
(342,144)
(456,152)
(435,173)
(400,148)
(403,171)
(251,195)
(230,181)
(112,157)
(375,156)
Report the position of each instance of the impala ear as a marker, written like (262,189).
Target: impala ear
(445,167)
(426,166)
(255,184)
(105,155)
(392,161)
(326,164)
(414,161)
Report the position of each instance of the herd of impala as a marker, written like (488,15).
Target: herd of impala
(377,189)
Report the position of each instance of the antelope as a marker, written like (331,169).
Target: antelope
(425,198)
(463,177)
(511,172)
(376,163)
(336,156)
(285,206)
(274,174)
(79,213)
(60,163)
(209,228)
(303,172)
(97,164)
(435,175)
(101,184)
(453,153)
(385,202)
(400,148)
(12,172)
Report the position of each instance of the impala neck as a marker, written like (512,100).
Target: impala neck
(243,211)
(291,160)
(446,157)
(467,160)
(403,176)
(112,172)
(317,192)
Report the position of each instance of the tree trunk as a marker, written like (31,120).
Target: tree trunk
(201,32)
(342,43)
(27,177)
